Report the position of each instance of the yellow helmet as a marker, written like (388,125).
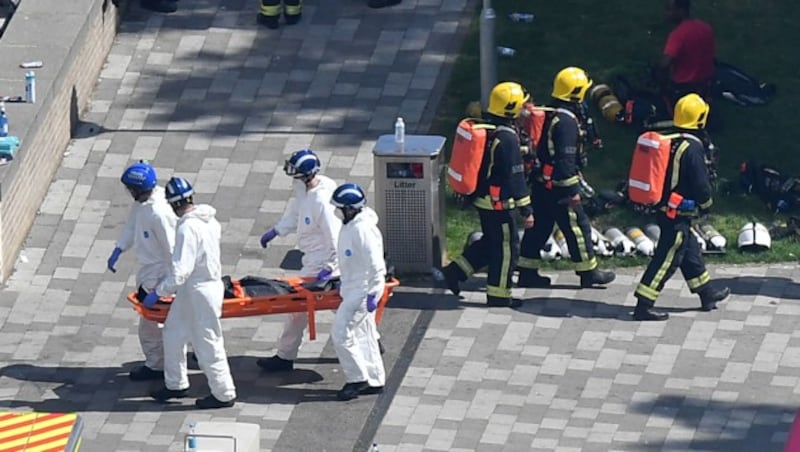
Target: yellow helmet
(571,84)
(691,112)
(506,99)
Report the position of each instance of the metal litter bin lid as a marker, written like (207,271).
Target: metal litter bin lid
(414,146)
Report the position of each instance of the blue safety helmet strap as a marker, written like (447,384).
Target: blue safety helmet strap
(140,176)
(178,189)
(349,196)
(303,163)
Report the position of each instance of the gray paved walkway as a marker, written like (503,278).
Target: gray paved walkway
(207,95)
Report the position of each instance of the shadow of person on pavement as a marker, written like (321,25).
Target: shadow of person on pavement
(719,425)
(108,389)
(571,307)
(771,286)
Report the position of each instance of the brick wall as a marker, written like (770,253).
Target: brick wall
(25,186)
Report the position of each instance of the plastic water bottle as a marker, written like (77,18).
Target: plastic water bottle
(399,131)
(191,441)
(521,17)
(374,448)
(506,51)
(3,120)
(30,87)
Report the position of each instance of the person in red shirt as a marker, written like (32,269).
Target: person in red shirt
(687,65)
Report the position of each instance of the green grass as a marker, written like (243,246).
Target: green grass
(619,36)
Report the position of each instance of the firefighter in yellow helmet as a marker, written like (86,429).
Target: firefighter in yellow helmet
(500,192)
(271,11)
(555,186)
(687,194)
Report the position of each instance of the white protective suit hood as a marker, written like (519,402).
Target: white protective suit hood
(197,250)
(361,256)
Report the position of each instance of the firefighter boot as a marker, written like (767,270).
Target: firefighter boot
(452,277)
(644,311)
(270,22)
(292,11)
(709,297)
(499,302)
(596,277)
(530,278)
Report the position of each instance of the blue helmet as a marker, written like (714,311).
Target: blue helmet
(178,189)
(349,195)
(302,164)
(140,176)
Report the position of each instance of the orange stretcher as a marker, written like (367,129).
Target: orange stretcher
(303,296)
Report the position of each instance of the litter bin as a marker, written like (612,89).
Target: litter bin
(409,200)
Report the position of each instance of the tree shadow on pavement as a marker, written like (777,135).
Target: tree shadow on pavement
(108,389)
(718,425)
(770,286)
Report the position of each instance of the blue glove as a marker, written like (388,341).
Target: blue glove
(324,275)
(150,299)
(372,303)
(268,236)
(112,260)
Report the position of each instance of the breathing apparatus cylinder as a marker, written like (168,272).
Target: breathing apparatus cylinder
(606,101)
(643,243)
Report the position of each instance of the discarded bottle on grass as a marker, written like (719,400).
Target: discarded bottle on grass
(521,17)
(506,51)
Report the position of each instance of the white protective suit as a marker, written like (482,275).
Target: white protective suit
(196,281)
(312,216)
(151,231)
(354,334)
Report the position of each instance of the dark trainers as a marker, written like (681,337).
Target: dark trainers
(275,364)
(144,373)
(596,277)
(451,279)
(270,22)
(164,394)
(710,297)
(211,402)
(531,279)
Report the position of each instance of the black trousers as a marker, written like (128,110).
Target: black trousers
(677,248)
(497,250)
(572,221)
